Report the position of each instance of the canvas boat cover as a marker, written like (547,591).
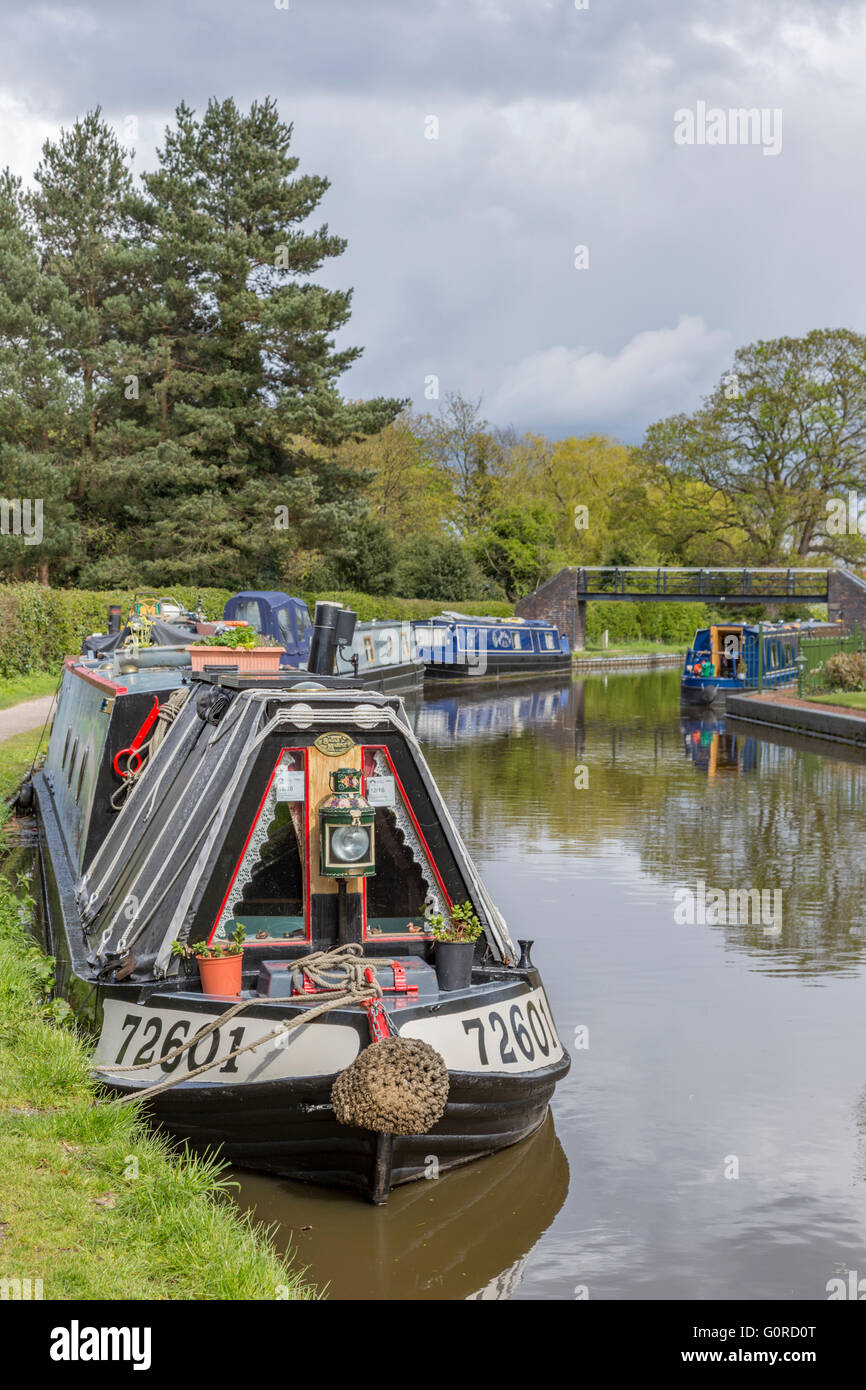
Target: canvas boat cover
(162,634)
(142,889)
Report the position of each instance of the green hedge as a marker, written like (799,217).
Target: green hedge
(648,622)
(39,626)
(368,606)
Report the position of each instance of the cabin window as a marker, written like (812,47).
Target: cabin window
(284,625)
(523,641)
(369,649)
(267,894)
(304,622)
(71,768)
(431,636)
(65,748)
(388,647)
(247,611)
(549,641)
(405,882)
(81,774)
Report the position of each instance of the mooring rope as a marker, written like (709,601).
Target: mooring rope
(357,989)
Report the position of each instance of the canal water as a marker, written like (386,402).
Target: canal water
(710,1138)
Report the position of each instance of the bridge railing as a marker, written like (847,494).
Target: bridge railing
(721,582)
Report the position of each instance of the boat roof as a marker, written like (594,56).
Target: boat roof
(447,617)
(275,597)
(161,851)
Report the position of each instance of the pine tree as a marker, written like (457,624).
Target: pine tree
(240,478)
(35,404)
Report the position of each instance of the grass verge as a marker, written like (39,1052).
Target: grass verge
(632,649)
(91,1202)
(850,699)
(19,688)
(16,756)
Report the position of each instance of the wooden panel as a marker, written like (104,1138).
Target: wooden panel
(319,769)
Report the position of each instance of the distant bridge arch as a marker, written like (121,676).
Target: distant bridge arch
(562,600)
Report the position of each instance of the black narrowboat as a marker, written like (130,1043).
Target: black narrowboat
(175,808)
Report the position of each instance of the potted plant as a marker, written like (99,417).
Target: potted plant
(220,964)
(249,651)
(455,945)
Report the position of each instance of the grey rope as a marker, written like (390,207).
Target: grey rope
(348,959)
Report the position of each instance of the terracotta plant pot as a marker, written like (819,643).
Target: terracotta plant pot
(247,659)
(222,975)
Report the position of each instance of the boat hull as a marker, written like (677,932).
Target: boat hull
(497,666)
(288,1128)
(406,678)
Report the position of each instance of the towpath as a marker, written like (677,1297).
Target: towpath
(19,719)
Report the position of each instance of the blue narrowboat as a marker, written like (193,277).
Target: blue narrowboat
(729,658)
(456,647)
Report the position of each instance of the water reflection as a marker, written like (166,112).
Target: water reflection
(467,1235)
(713,750)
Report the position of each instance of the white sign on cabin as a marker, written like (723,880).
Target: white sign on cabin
(289,784)
(380,791)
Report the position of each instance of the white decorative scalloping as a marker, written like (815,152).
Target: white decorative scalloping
(257,840)
(434,901)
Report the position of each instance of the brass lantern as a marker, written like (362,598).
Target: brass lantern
(347,844)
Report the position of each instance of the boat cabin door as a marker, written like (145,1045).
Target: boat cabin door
(727,646)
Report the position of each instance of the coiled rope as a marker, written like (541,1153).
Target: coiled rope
(346,960)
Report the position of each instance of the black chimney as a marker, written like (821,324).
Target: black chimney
(332,626)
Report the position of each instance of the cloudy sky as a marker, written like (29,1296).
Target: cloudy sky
(556,130)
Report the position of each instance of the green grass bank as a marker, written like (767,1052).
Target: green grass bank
(92,1204)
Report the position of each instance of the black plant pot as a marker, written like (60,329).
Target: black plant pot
(454,964)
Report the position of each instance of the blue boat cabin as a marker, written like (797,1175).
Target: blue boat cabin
(728,657)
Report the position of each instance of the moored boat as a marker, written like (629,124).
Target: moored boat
(176,808)
(456,647)
(381,654)
(728,658)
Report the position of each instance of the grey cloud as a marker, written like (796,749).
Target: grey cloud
(556,129)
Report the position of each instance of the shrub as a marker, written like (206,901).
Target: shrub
(847,671)
(650,622)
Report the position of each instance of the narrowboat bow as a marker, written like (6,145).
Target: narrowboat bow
(302,810)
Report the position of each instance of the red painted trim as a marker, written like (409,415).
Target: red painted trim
(101,682)
(420,936)
(255,822)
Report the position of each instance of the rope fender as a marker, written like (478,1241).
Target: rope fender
(397,1086)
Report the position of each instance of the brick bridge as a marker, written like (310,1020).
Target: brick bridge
(562,600)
